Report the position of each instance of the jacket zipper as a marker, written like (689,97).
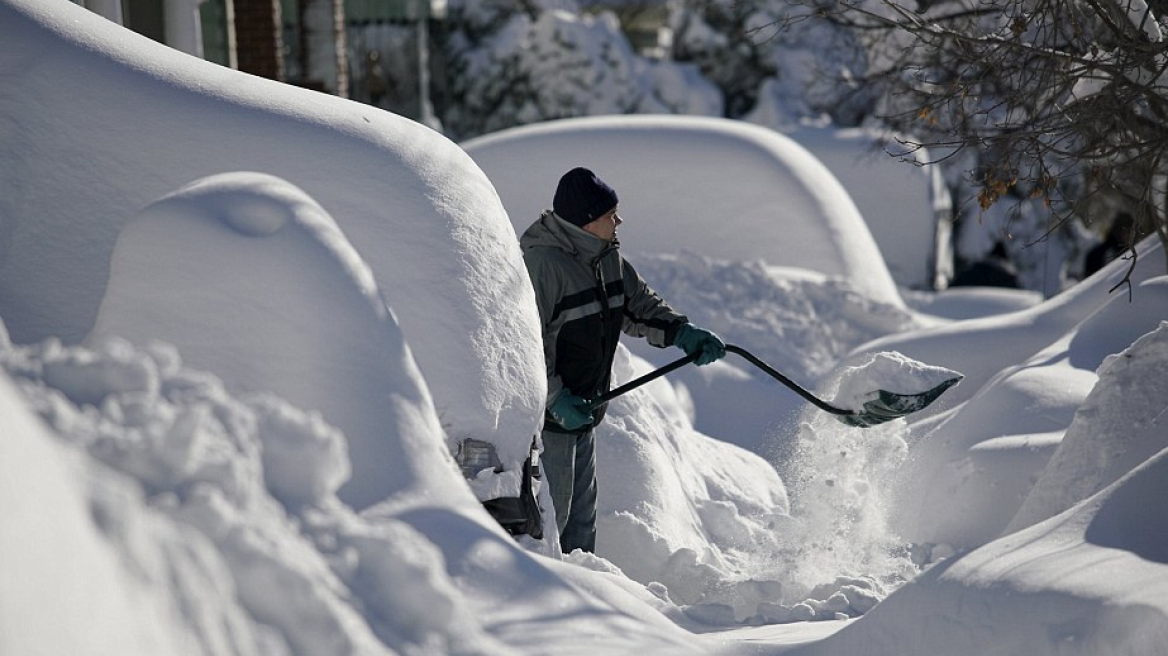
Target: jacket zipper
(602,295)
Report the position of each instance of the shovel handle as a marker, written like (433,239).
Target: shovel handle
(681,362)
(649,377)
(795,387)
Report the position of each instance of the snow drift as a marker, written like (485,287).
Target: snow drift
(150,507)
(106,122)
(1090,580)
(978,452)
(307,322)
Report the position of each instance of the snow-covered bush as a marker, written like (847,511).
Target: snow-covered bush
(513,68)
(776,63)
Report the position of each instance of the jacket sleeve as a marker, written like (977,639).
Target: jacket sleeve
(548,283)
(646,314)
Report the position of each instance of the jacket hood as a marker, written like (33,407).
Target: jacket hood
(550,231)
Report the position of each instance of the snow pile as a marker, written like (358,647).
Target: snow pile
(67,589)
(227,504)
(113,122)
(307,320)
(799,322)
(711,528)
(983,346)
(1087,461)
(970,302)
(227,510)
(682,510)
(793,319)
(976,459)
(1091,580)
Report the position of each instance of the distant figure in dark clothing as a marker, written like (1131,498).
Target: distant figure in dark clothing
(1118,239)
(995,270)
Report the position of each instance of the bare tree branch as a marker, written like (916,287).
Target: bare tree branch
(1063,100)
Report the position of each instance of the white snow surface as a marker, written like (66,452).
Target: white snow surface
(245,325)
(258,245)
(105,123)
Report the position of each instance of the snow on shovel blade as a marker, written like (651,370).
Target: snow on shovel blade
(888,406)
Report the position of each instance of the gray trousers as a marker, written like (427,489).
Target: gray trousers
(569,463)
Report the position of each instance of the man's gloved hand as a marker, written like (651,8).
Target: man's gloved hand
(692,339)
(571,411)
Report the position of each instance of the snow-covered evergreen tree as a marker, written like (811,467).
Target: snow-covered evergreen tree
(532,64)
(775,63)
(514,63)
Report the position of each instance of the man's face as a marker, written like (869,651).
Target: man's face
(605,225)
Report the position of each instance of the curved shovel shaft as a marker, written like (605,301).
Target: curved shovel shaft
(649,377)
(795,387)
(885,407)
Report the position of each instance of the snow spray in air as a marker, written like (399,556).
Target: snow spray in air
(841,481)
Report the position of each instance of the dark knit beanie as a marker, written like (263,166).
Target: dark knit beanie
(581,197)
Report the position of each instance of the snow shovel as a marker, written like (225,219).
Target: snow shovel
(884,406)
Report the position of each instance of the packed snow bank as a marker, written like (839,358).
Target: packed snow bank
(197,508)
(282,303)
(686,526)
(1091,580)
(970,302)
(1118,426)
(752,194)
(972,470)
(68,588)
(106,121)
(706,525)
(987,345)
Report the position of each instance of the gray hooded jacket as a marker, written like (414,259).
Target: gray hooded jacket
(587,294)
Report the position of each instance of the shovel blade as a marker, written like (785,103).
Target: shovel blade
(888,406)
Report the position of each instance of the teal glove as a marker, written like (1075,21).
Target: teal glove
(692,339)
(571,411)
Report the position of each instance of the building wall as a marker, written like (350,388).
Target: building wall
(302,42)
